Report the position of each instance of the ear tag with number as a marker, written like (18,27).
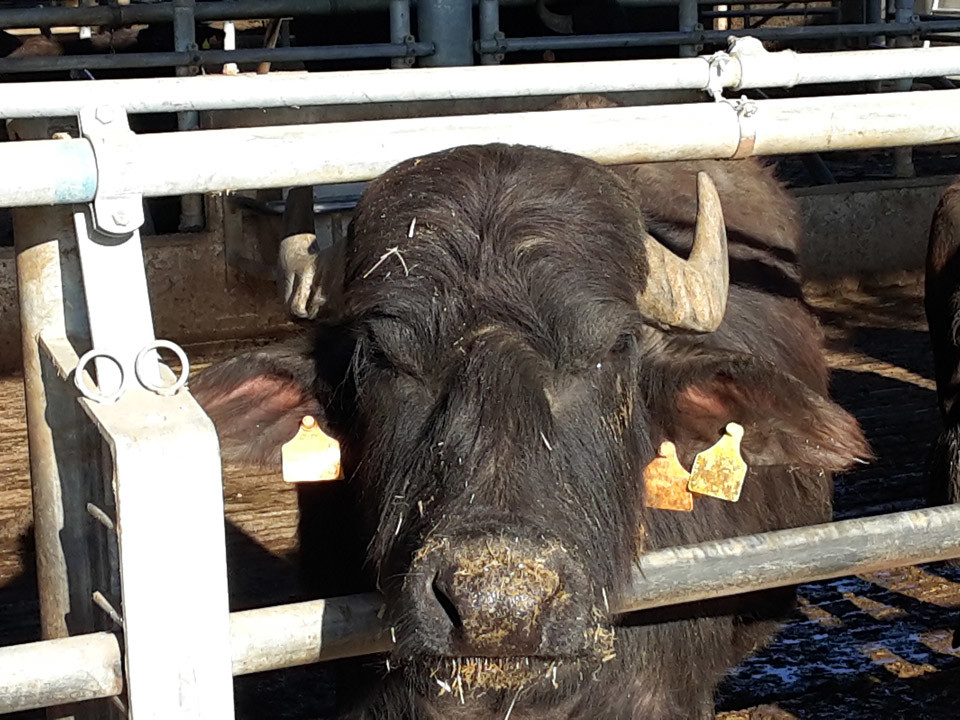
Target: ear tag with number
(719,471)
(665,481)
(312,455)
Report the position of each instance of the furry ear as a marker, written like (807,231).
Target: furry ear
(257,399)
(785,421)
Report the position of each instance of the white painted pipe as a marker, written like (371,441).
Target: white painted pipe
(748,67)
(56,672)
(214,92)
(85,667)
(63,171)
(307,632)
(787,68)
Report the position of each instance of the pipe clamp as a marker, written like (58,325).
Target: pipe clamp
(746,110)
(116,211)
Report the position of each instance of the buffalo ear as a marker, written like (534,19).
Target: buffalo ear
(785,421)
(257,399)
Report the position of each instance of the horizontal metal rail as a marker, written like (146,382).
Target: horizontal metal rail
(117,15)
(784,68)
(56,672)
(772,12)
(212,57)
(788,557)
(344,152)
(86,667)
(713,37)
(289,635)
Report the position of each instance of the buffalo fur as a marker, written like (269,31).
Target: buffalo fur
(489,375)
(942,303)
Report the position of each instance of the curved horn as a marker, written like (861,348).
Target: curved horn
(690,294)
(562,24)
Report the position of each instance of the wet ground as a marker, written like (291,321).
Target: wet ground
(870,647)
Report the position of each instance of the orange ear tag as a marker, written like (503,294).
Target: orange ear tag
(719,471)
(312,455)
(665,481)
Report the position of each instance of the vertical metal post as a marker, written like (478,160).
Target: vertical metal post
(448,24)
(490,29)
(36,239)
(62,580)
(400,30)
(63,445)
(903,156)
(687,18)
(185,38)
(875,14)
(109,477)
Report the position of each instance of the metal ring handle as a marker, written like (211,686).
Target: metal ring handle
(95,394)
(184,367)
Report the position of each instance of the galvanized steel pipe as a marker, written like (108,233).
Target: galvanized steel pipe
(713,37)
(120,15)
(216,92)
(211,57)
(448,24)
(64,171)
(787,557)
(57,672)
(86,667)
(290,635)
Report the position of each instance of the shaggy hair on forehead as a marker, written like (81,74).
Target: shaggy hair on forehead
(546,244)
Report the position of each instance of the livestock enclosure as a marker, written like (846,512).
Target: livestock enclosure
(189,122)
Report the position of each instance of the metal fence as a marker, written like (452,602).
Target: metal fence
(112,461)
(445,32)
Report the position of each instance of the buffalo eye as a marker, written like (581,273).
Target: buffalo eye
(374,355)
(623,345)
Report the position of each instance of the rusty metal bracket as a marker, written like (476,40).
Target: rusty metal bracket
(116,212)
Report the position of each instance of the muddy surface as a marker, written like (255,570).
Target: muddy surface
(859,648)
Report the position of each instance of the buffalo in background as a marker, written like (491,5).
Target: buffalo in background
(942,305)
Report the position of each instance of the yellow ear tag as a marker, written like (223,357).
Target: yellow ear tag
(719,471)
(312,455)
(665,482)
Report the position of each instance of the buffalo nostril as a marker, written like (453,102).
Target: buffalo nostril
(446,603)
(494,599)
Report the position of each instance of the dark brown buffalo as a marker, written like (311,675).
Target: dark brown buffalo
(513,341)
(942,303)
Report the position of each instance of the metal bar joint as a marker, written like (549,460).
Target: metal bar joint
(115,212)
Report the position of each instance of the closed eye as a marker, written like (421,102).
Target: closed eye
(624,344)
(390,354)
(375,356)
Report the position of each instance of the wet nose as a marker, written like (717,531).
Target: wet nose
(495,596)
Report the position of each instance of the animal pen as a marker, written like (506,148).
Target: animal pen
(116,460)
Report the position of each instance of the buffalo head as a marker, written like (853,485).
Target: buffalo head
(515,337)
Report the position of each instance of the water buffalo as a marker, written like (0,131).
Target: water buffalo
(515,335)
(942,304)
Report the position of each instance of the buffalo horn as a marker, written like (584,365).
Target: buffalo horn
(690,294)
(562,24)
